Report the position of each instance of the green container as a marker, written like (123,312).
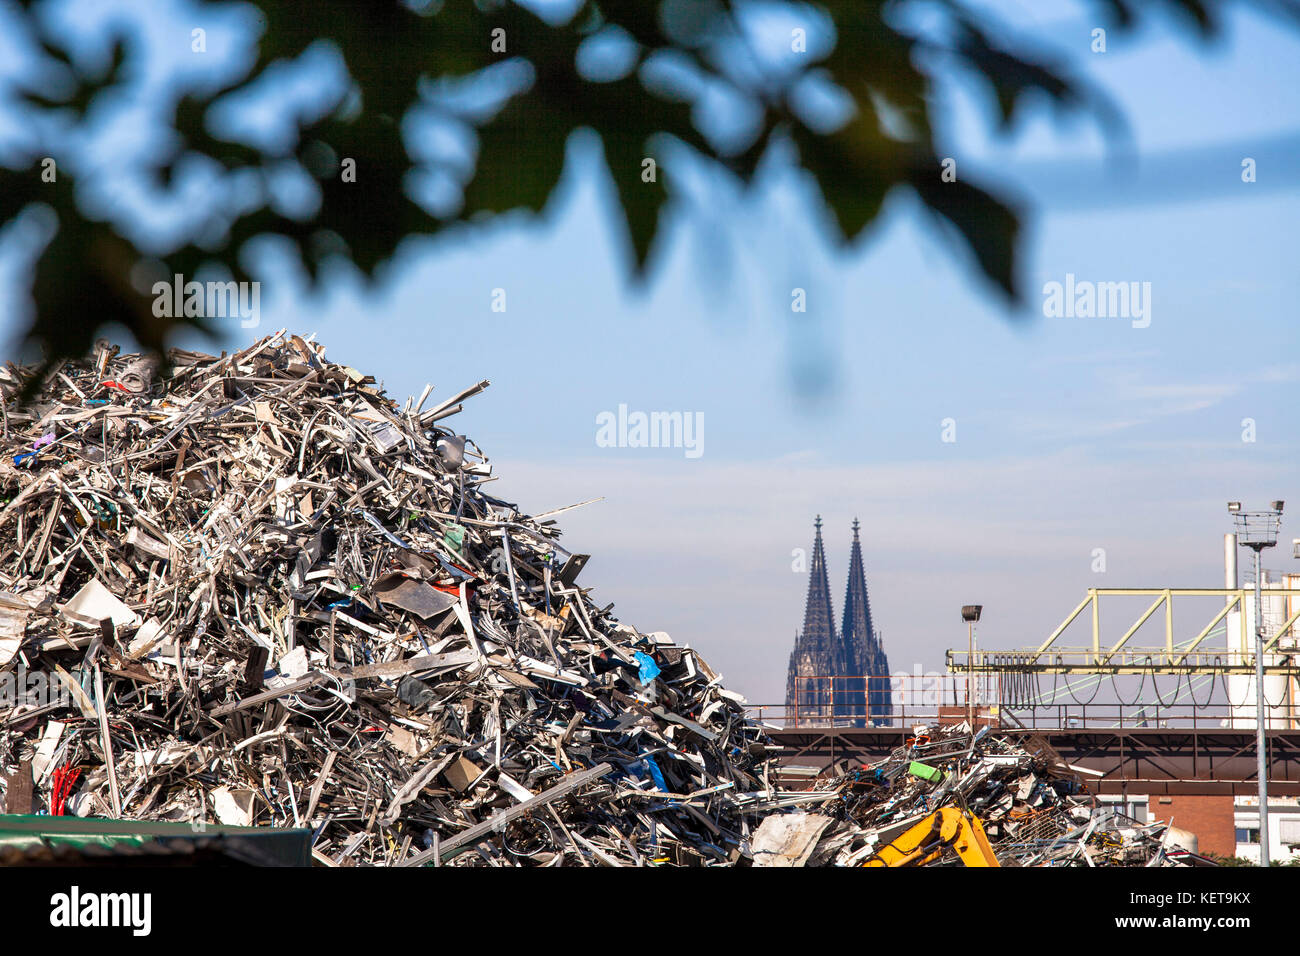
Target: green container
(259,846)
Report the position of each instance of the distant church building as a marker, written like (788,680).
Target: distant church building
(852,652)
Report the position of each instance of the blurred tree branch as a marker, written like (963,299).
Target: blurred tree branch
(399,63)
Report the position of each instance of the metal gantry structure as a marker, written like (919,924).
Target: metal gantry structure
(1188,655)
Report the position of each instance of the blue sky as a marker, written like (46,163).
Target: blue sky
(1072,434)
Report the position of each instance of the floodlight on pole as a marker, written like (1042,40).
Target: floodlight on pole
(1257,530)
(970,613)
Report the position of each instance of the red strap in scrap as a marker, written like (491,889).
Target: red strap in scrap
(65,778)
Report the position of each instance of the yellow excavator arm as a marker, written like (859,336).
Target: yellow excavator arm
(925,841)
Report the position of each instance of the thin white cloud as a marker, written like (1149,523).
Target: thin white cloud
(1279,373)
(1091,415)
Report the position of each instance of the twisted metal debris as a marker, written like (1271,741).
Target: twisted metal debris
(1031,805)
(255,590)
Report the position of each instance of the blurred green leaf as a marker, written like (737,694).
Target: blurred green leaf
(82,279)
(989,227)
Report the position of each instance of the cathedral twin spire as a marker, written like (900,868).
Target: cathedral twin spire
(854,651)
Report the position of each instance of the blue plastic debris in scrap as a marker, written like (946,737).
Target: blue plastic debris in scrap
(43,441)
(656,774)
(646,766)
(648,669)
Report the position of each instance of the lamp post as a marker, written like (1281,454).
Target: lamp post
(1257,530)
(970,613)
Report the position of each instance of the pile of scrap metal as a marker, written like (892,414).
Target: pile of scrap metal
(952,798)
(253,590)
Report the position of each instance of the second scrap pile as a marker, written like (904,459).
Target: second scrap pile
(1030,806)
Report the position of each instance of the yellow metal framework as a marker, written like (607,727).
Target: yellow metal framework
(1188,656)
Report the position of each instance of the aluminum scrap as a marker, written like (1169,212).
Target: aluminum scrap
(255,590)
